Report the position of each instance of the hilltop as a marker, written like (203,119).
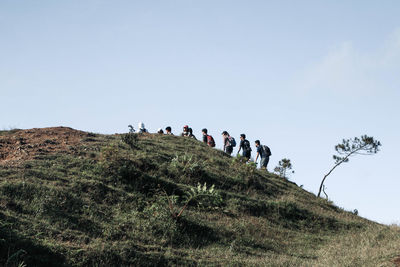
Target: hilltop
(72,198)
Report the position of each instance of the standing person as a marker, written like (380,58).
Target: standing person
(228,145)
(245,147)
(264,152)
(168,130)
(208,139)
(204,132)
(191,135)
(141,127)
(185,131)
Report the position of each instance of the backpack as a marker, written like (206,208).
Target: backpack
(246,145)
(210,141)
(232,141)
(267,151)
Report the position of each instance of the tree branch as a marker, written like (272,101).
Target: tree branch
(323,190)
(337,164)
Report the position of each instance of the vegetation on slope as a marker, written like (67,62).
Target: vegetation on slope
(88,199)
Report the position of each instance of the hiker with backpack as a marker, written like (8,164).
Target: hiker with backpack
(245,147)
(141,127)
(168,130)
(229,142)
(191,135)
(208,139)
(264,152)
(185,131)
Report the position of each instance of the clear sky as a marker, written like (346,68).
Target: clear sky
(298,75)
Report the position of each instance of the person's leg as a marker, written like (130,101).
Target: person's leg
(229,150)
(266,163)
(262,163)
(247,154)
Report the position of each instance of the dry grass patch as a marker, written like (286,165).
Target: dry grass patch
(374,246)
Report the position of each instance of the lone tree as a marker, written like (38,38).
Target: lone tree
(357,146)
(283,167)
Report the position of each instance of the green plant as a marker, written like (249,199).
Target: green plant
(15,259)
(200,193)
(158,220)
(186,165)
(110,159)
(284,166)
(250,169)
(239,159)
(130,139)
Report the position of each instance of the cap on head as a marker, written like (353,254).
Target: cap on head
(185,127)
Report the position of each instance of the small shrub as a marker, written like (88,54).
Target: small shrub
(186,165)
(239,159)
(204,197)
(247,168)
(284,168)
(158,220)
(130,139)
(15,259)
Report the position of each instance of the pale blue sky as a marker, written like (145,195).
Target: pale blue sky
(298,75)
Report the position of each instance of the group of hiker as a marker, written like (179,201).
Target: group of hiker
(229,142)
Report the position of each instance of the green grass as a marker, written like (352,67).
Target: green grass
(106,204)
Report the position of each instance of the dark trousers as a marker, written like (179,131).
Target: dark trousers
(247,154)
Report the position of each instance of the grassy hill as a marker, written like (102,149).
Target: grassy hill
(71,198)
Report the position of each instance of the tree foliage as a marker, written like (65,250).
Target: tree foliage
(365,145)
(284,166)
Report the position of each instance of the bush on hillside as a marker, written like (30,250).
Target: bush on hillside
(130,139)
(159,222)
(185,167)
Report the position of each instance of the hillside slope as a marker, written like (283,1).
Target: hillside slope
(71,198)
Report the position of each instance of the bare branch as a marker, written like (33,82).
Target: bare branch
(323,190)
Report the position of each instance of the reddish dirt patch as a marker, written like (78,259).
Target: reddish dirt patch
(397,262)
(26,144)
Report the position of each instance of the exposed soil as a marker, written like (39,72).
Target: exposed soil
(20,145)
(397,262)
